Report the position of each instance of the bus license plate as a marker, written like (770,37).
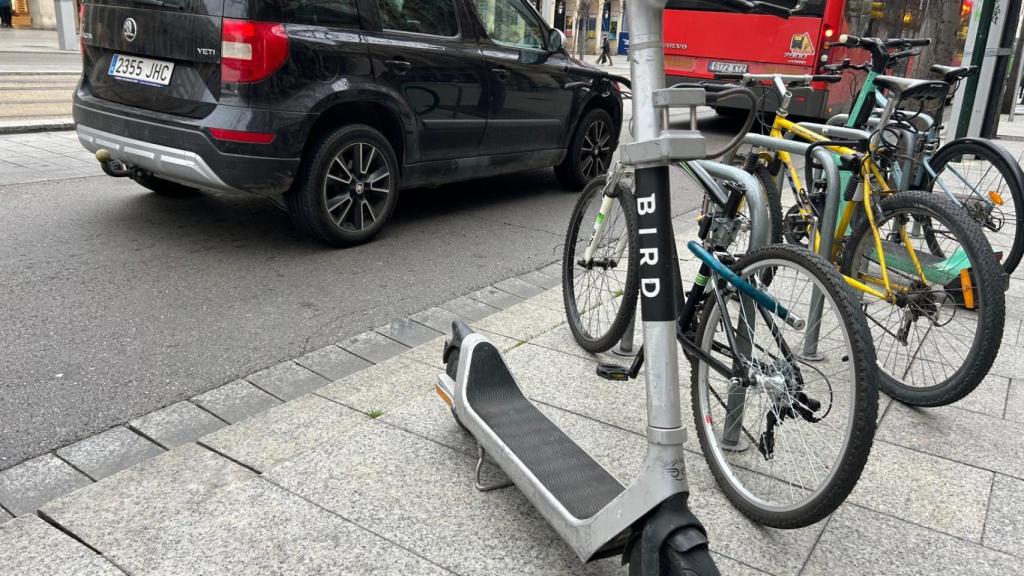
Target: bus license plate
(141,70)
(727,67)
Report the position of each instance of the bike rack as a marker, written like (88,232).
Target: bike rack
(827,227)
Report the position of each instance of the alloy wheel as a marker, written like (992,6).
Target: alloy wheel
(357,186)
(596,151)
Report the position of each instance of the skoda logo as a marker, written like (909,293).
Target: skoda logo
(129,29)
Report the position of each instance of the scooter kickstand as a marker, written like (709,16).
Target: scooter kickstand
(479,466)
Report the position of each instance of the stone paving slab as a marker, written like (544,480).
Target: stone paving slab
(519,287)
(284,432)
(382,387)
(430,353)
(109,452)
(372,346)
(192,512)
(408,332)
(550,299)
(29,485)
(494,297)
(570,383)
(541,279)
(932,492)
(235,401)
(431,485)
(287,381)
(469,308)
(332,362)
(176,424)
(1015,402)
(975,439)
(988,398)
(858,542)
(522,321)
(33,547)
(1004,529)
(438,319)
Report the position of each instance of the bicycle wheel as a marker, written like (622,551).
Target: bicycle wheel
(788,437)
(938,341)
(990,186)
(600,292)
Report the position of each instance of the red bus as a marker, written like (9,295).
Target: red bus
(703,37)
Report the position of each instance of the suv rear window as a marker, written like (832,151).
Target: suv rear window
(433,17)
(206,7)
(333,13)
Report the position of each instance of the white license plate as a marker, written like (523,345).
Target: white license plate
(141,70)
(727,67)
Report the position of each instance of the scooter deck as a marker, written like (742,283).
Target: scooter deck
(571,475)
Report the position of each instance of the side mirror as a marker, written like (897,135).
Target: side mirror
(556,40)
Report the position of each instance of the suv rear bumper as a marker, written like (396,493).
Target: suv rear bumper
(186,154)
(168,163)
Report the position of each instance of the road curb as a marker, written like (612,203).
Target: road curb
(55,125)
(24,492)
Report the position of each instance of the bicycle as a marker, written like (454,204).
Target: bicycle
(975,173)
(600,283)
(648,523)
(920,264)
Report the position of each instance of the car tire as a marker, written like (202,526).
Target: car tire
(164,187)
(590,151)
(349,175)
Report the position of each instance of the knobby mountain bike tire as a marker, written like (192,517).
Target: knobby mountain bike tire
(935,347)
(799,469)
(988,171)
(600,297)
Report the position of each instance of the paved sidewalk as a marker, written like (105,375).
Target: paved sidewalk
(36,81)
(44,156)
(357,468)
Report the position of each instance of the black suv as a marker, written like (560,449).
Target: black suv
(330,107)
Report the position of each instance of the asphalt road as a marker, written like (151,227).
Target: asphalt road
(115,302)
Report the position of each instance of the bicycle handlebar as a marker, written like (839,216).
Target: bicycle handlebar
(788,79)
(895,56)
(851,41)
(845,65)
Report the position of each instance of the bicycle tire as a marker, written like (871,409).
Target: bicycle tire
(774,197)
(1009,172)
(987,280)
(622,315)
(849,461)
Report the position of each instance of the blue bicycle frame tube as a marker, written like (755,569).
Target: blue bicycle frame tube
(762,298)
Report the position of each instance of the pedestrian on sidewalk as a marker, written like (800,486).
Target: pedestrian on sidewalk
(5,14)
(606,50)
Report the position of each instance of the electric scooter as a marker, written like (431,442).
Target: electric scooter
(648,523)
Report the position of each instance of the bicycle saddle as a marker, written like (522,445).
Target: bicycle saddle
(953,73)
(911,89)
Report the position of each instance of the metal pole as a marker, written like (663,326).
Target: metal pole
(67,38)
(1016,84)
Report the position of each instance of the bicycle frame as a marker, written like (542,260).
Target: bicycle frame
(869,171)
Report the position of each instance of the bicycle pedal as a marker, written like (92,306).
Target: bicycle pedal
(614,372)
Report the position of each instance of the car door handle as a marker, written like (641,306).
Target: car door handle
(501,73)
(400,67)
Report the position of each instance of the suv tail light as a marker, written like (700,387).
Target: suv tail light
(251,51)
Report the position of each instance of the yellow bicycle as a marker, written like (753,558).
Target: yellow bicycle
(929,284)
